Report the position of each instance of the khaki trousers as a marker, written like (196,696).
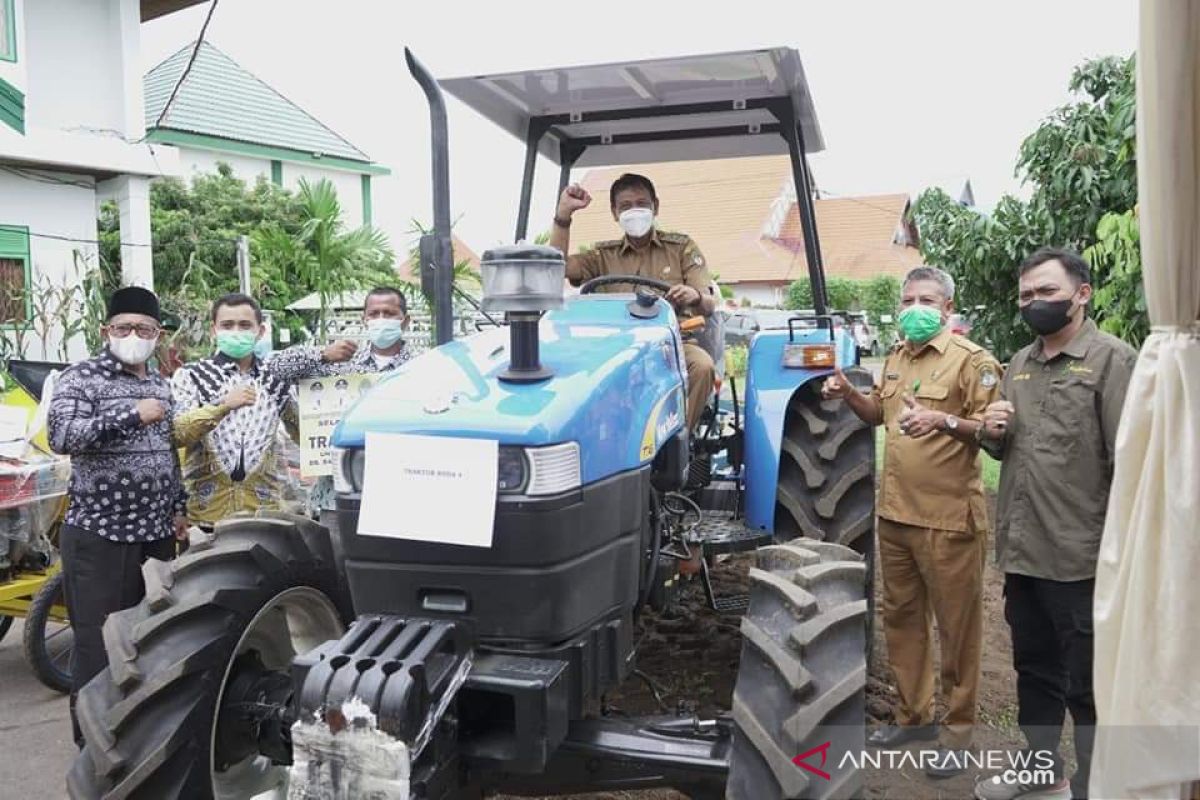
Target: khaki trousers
(933,574)
(701,374)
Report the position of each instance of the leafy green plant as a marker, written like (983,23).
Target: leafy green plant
(190,304)
(735,361)
(800,294)
(1116,260)
(15,332)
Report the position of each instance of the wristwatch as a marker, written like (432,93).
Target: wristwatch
(951,422)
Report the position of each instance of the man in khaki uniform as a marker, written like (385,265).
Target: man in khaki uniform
(1056,431)
(930,397)
(650,253)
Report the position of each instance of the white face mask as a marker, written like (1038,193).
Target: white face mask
(636,222)
(132,349)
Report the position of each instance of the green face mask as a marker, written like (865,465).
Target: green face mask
(236,344)
(920,323)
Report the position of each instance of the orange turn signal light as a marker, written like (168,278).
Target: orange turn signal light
(809,356)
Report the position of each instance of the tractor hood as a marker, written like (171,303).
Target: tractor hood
(617,388)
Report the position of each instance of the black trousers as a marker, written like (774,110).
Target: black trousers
(99,577)
(1051,624)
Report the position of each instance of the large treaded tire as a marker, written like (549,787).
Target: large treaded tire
(826,486)
(5,624)
(802,678)
(148,719)
(50,670)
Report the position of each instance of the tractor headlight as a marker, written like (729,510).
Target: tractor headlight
(512,472)
(348,467)
(539,471)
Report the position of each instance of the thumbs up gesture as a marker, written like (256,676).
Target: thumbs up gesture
(916,420)
(837,386)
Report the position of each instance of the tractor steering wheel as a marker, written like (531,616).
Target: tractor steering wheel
(590,287)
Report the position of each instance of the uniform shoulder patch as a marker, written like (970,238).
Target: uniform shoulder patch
(673,237)
(988,376)
(966,344)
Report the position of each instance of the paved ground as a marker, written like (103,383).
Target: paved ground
(36,729)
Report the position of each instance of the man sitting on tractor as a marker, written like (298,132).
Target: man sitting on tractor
(650,253)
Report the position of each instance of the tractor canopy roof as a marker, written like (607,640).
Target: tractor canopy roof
(671,109)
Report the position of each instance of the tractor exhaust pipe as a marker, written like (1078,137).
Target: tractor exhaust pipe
(436,254)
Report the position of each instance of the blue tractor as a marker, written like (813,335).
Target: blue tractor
(509,503)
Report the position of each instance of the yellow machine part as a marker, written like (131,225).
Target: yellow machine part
(22,399)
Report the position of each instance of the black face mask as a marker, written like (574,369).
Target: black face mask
(1047,317)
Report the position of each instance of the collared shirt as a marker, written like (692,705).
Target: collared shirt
(233,460)
(934,481)
(672,258)
(125,483)
(1058,454)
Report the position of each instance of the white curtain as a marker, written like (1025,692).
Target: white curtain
(1147,674)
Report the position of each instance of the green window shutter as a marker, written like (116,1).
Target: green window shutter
(12,106)
(366,199)
(277,172)
(14,241)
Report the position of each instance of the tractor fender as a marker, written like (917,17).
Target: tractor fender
(769,389)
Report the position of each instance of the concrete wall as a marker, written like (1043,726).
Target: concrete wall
(348,185)
(58,210)
(75,58)
(204,162)
(760,294)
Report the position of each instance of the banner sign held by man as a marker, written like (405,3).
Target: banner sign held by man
(323,401)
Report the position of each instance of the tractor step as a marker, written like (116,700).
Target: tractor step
(722,532)
(733,604)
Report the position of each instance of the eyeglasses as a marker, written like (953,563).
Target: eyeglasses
(122,330)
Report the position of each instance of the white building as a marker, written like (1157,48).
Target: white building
(223,113)
(72,128)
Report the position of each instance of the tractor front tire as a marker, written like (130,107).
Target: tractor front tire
(801,684)
(264,585)
(50,664)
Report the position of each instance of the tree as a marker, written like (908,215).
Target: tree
(299,245)
(201,222)
(1081,166)
(322,256)
(800,294)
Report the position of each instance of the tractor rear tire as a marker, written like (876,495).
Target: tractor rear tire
(51,666)
(801,684)
(266,584)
